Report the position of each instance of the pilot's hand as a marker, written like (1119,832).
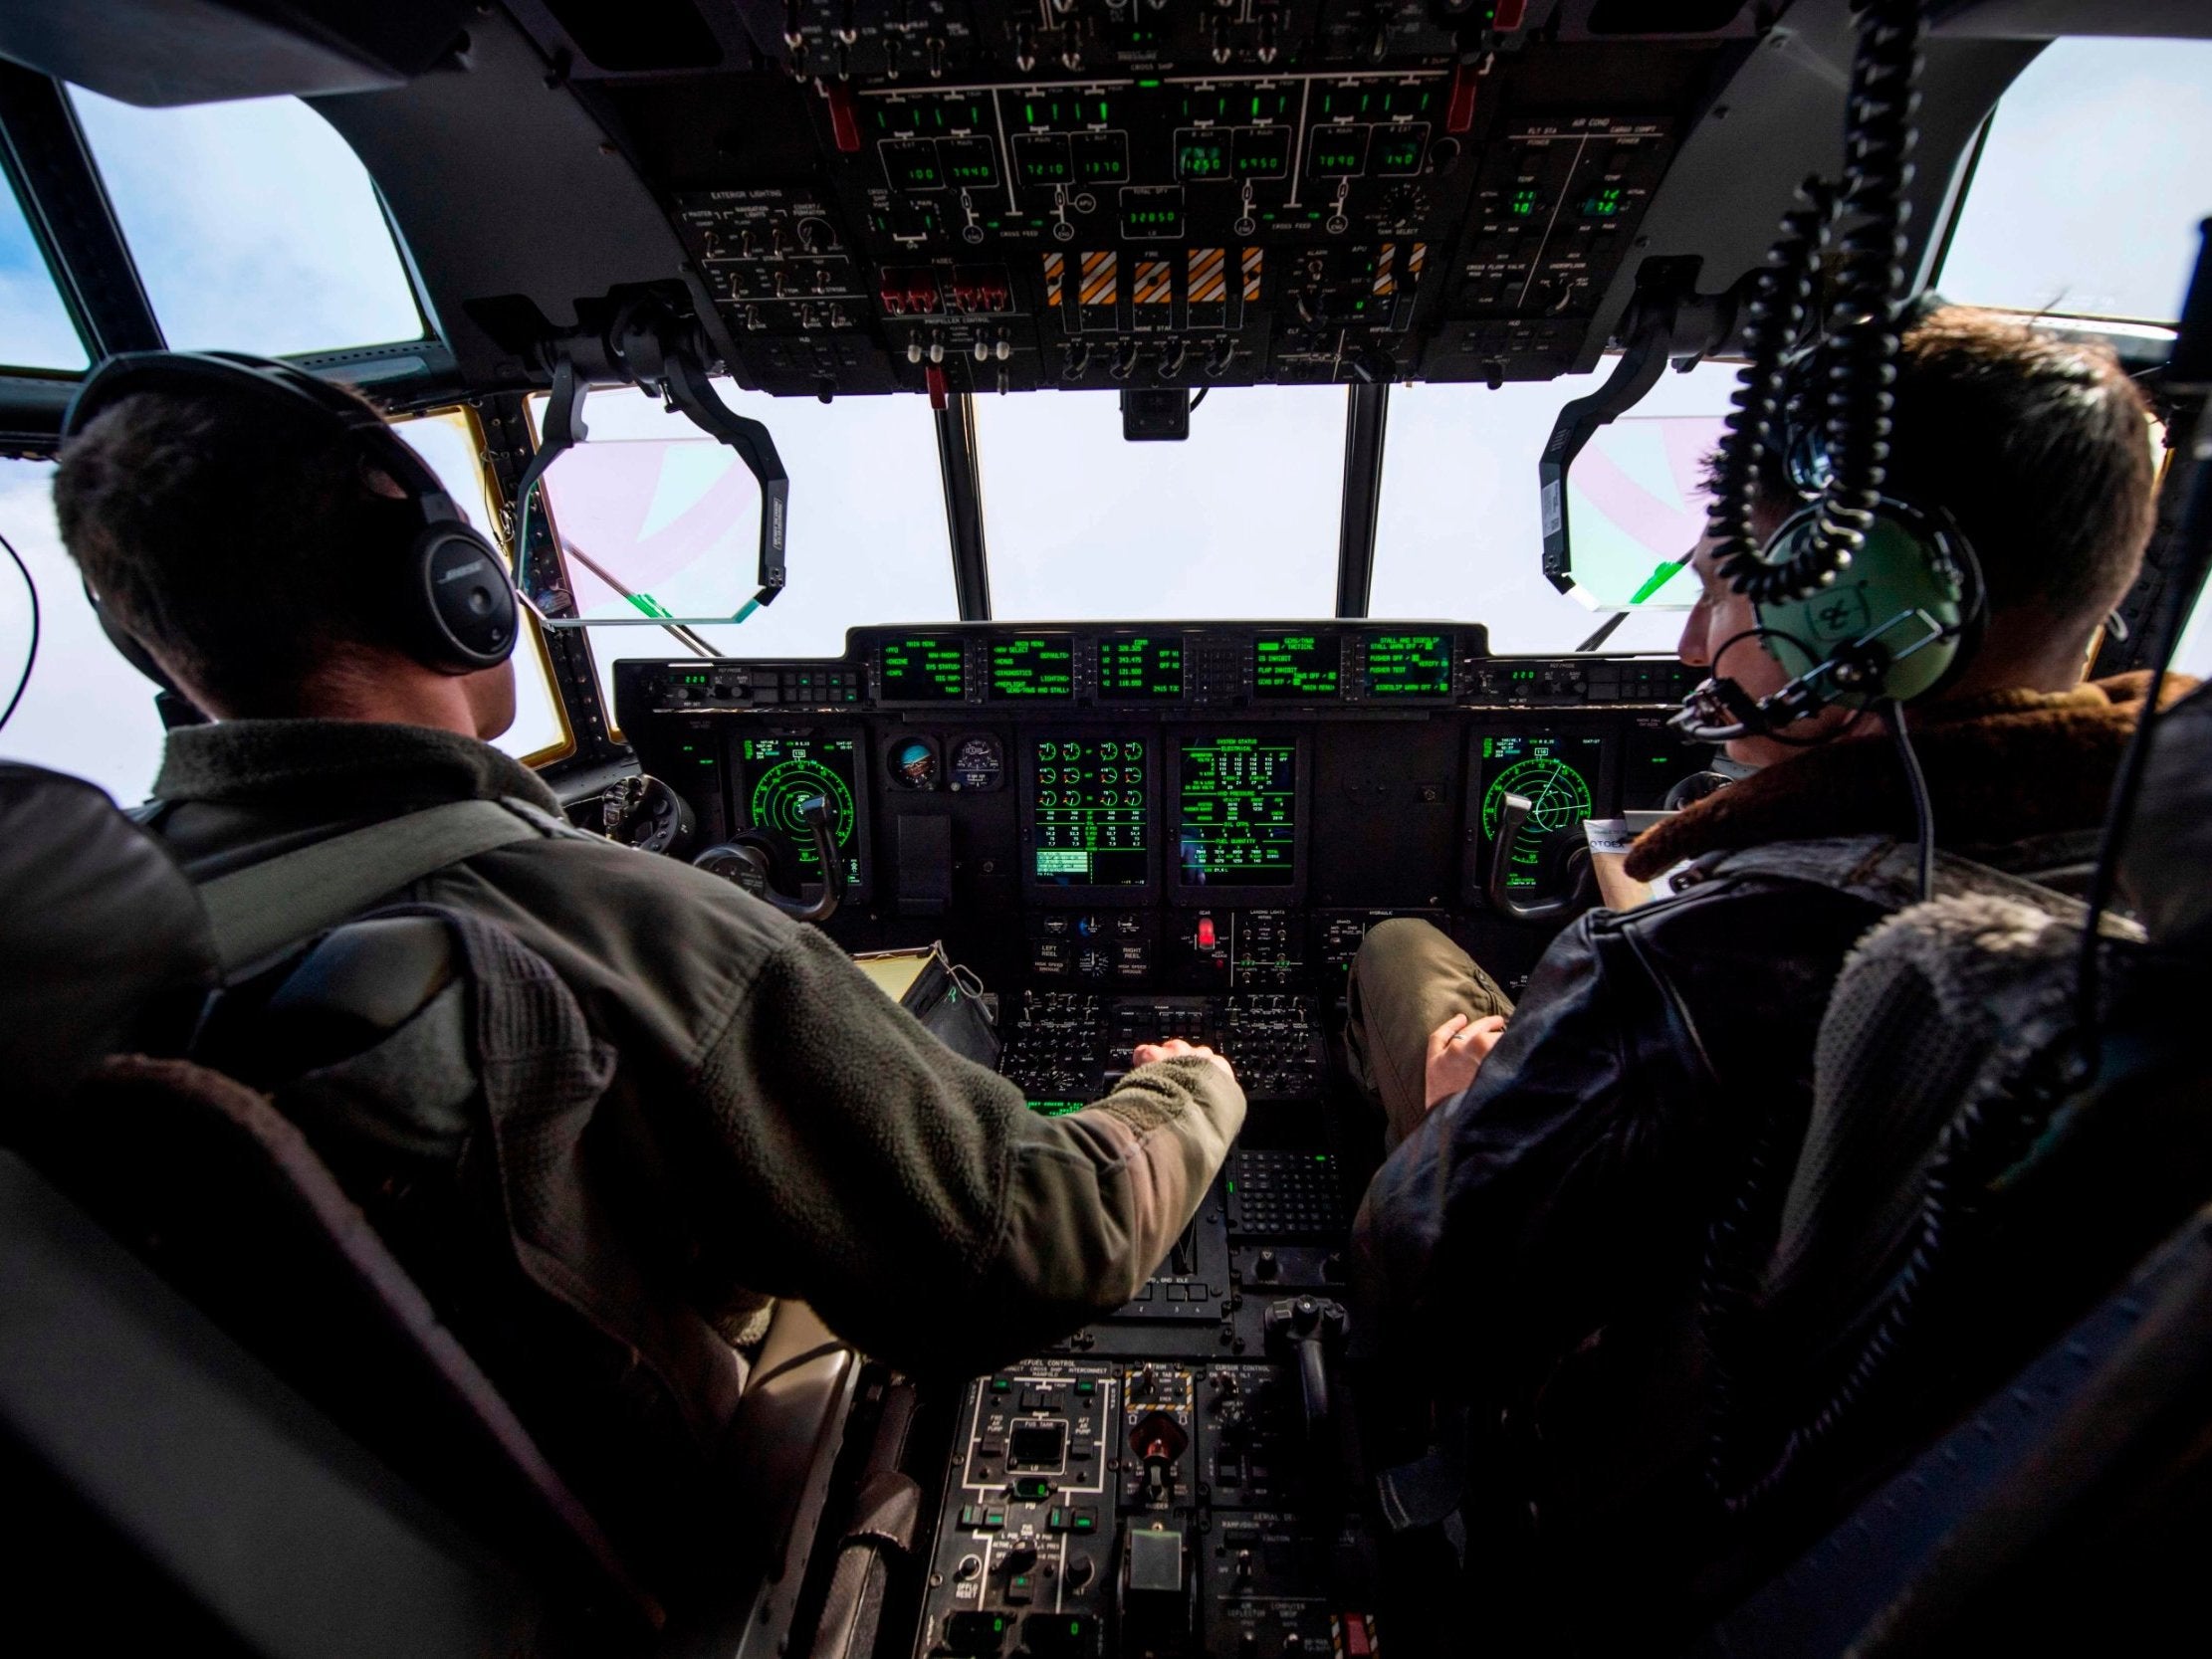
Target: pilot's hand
(1146,1053)
(1456,1050)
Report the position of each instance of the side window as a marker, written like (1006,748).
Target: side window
(85,710)
(2090,185)
(35,329)
(254,227)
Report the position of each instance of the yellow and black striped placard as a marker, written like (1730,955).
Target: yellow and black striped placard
(1152,284)
(1101,277)
(1209,275)
(1385,271)
(1056,275)
(1252,269)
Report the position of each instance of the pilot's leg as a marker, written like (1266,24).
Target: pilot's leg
(1407,979)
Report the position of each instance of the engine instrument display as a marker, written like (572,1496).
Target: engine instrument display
(1299,668)
(1140,669)
(1033,668)
(781,772)
(1092,818)
(923,669)
(1237,811)
(1559,778)
(1409,665)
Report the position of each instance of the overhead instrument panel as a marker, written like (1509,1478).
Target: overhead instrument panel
(922,195)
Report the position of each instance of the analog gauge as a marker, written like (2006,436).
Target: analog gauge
(914,763)
(979,764)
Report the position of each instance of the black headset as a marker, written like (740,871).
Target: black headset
(449,595)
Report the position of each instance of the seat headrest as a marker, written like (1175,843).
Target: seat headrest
(104,944)
(2167,871)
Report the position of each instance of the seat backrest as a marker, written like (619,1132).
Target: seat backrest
(218,1192)
(103,942)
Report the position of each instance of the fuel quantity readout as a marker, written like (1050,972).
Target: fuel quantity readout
(1237,811)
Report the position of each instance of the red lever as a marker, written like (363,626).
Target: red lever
(1508,15)
(844,116)
(1458,113)
(933,377)
(1206,935)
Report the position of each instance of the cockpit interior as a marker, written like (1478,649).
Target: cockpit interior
(1094,506)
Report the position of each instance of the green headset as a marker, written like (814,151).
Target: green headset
(447,591)
(1863,596)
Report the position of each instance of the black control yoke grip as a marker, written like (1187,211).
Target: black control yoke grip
(813,812)
(1581,887)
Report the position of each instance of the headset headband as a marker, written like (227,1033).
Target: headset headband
(195,373)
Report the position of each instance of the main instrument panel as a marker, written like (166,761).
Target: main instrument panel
(1134,832)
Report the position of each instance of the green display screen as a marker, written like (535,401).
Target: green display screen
(1296,667)
(911,165)
(1236,817)
(1100,157)
(1409,665)
(1043,158)
(1397,150)
(1091,821)
(1559,778)
(1337,153)
(969,163)
(1145,669)
(780,773)
(1032,668)
(1260,151)
(924,669)
(1200,154)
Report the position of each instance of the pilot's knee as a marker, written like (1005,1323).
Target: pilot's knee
(1397,940)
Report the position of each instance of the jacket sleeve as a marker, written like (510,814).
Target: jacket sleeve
(912,1197)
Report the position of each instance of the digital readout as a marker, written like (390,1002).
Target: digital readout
(1140,670)
(1296,667)
(1409,665)
(1032,668)
(1557,777)
(1091,820)
(1237,812)
(924,670)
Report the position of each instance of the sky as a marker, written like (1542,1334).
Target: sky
(255,229)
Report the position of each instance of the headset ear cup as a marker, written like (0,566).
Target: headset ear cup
(464,615)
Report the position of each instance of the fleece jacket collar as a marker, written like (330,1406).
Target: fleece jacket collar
(2003,769)
(340,764)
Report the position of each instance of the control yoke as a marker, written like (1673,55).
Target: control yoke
(1582,881)
(1312,1326)
(746,862)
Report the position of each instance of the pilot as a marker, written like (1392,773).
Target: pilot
(1560,1162)
(780,1126)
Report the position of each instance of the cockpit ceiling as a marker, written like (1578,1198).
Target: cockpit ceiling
(947,196)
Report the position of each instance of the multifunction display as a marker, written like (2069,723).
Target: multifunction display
(1558,777)
(1237,811)
(782,773)
(1141,669)
(924,669)
(1033,668)
(1304,668)
(1091,820)
(1409,665)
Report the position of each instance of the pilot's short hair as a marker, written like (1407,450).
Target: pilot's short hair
(237,541)
(2038,446)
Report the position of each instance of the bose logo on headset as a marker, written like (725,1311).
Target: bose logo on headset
(453,630)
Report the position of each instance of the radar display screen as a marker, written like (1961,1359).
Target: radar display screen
(1033,668)
(924,669)
(1297,667)
(781,772)
(1092,824)
(1141,669)
(1657,759)
(1409,665)
(1559,778)
(1237,811)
